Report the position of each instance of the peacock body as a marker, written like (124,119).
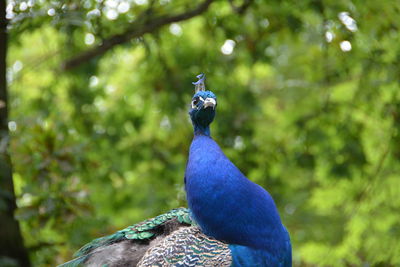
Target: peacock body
(227,205)
(231,221)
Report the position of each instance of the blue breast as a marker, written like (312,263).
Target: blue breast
(231,208)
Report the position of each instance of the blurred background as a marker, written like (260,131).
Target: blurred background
(308,107)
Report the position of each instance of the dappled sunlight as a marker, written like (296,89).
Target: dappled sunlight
(228,47)
(345,46)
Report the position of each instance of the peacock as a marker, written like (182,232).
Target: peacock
(231,221)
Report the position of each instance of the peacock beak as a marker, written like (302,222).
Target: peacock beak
(209,102)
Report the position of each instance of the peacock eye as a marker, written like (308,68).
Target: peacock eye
(196,101)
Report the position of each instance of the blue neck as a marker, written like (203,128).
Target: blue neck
(201,130)
(229,207)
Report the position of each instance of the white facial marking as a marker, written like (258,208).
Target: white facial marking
(209,102)
(212,100)
(199,98)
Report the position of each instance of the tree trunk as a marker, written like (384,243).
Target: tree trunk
(12,250)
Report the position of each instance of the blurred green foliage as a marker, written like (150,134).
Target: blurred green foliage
(308,95)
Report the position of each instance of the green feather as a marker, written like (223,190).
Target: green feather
(140,231)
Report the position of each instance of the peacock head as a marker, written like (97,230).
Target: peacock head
(202,111)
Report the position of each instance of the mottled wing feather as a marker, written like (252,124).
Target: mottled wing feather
(126,247)
(187,246)
(143,230)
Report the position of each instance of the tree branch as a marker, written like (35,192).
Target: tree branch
(138,29)
(242,8)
